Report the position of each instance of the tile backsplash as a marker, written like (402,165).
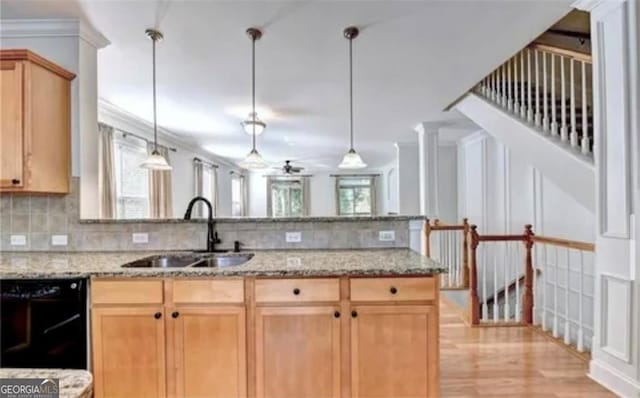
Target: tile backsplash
(43,218)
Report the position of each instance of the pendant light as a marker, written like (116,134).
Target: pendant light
(155,161)
(352,159)
(253,125)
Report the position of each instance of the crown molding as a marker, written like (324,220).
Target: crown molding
(12,28)
(124,120)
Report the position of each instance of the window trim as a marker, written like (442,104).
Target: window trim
(373,193)
(304,192)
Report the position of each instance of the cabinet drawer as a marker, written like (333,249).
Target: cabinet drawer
(297,290)
(126,292)
(207,291)
(393,289)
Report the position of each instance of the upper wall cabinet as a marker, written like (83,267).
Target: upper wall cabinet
(35,124)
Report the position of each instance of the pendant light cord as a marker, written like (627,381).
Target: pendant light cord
(253,89)
(155,122)
(351,93)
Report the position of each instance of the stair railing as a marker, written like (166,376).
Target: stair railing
(448,244)
(501,278)
(550,88)
(565,284)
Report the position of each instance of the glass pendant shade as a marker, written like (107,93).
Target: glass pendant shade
(352,160)
(254,161)
(155,161)
(253,120)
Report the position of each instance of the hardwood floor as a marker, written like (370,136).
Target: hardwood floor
(508,362)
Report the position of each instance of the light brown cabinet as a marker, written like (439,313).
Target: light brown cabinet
(266,338)
(298,352)
(35,124)
(128,351)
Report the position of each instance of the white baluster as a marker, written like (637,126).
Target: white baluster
(496,314)
(554,105)
(523,106)
(515,85)
(544,288)
(517,261)
(545,98)
(580,343)
(555,295)
(505,270)
(567,320)
(529,101)
(485,308)
(457,256)
(564,130)
(534,283)
(509,86)
(574,133)
(503,98)
(538,116)
(450,258)
(494,86)
(585,115)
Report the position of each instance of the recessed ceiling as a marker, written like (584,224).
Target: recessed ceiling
(410,61)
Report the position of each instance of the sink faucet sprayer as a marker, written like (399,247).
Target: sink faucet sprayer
(212,236)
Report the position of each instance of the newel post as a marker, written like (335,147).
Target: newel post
(474,303)
(465,252)
(527,299)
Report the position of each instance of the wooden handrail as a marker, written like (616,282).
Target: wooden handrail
(571,244)
(577,55)
(437,225)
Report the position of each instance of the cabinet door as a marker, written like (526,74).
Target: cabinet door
(128,351)
(297,352)
(394,351)
(208,352)
(11,124)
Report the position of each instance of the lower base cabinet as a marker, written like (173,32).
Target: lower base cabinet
(298,352)
(207,349)
(394,351)
(128,351)
(299,338)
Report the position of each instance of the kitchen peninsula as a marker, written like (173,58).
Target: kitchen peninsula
(336,323)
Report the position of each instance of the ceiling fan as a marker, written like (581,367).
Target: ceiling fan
(289,169)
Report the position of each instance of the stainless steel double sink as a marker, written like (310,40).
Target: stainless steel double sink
(190,260)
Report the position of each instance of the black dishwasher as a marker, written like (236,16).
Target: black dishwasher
(43,323)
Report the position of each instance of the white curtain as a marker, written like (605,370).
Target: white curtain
(243,191)
(205,184)
(198,173)
(160,190)
(214,190)
(106,173)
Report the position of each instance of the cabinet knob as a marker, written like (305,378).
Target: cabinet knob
(393,290)
(175,314)
(296,291)
(157,315)
(336,314)
(15,181)
(354,314)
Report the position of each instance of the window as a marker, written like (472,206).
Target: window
(356,196)
(286,197)
(132,181)
(206,185)
(237,196)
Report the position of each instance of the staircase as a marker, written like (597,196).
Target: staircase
(539,104)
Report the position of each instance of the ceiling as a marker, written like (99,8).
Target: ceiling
(410,61)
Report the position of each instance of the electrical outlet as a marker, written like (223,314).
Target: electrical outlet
(293,237)
(59,240)
(18,240)
(140,237)
(387,236)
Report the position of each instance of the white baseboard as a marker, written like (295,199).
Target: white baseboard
(613,379)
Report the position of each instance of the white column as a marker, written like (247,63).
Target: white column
(616,51)
(428,155)
(407,164)
(73,45)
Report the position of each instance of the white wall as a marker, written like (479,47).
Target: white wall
(408,166)
(448,183)
(389,189)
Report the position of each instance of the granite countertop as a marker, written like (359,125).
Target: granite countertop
(264,263)
(74,383)
(266,220)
